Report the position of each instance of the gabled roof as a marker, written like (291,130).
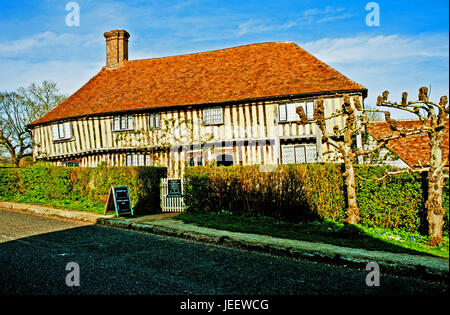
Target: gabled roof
(413,150)
(250,72)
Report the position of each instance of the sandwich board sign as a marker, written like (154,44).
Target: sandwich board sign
(119,201)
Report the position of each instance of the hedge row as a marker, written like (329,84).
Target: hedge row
(82,187)
(307,192)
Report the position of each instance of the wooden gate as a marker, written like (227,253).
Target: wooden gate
(172,195)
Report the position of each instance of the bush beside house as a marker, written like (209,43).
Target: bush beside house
(310,191)
(82,188)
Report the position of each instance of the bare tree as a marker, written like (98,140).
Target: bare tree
(356,119)
(433,118)
(17,109)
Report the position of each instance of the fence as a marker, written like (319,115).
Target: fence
(172,199)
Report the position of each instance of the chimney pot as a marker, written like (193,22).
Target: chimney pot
(116,48)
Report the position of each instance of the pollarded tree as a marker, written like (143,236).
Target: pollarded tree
(356,119)
(433,119)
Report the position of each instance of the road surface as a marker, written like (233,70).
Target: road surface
(35,251)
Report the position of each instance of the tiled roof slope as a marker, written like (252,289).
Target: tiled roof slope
(245,72)
(410,149)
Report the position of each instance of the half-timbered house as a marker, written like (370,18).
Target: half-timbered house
(228,106)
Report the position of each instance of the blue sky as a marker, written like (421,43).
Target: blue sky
(408,50)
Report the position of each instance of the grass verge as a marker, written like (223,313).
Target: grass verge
(325,232)
(80,205)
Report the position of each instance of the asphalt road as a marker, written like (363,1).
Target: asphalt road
(35,250)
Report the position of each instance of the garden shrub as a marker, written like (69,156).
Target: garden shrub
(292,192)
(82,187)
(308,191)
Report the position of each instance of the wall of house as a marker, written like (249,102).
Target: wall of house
(250,133)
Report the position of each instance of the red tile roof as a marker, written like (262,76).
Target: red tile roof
(411,149)
(254,71)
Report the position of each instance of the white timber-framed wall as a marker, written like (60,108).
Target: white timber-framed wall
(250,133)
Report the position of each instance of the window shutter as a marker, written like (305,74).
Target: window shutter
(67,130)
(130,123)
(55,132)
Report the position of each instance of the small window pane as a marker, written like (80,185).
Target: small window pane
(311,154)
(61,131)
(130,123)
(141,160)
(135,160)
(287,155)
(116,123)
(129,160)
(151,122)
(282,112)
(123,122)
(67,130)
(148,160)
(55,132)
(291,113)
(310,110)
(157,118)
(191,162)
(300,155)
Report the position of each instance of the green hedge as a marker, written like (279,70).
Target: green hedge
(308,192)
(82,188)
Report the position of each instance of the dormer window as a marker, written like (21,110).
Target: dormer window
(62,131)
(123,123)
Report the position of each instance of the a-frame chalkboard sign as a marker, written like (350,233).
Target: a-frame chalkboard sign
(119,201)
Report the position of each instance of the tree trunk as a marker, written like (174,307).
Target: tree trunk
(435,179)
(352,205)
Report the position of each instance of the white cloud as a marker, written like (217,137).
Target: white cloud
(307,17)
(381,47)
(389,62)
(69,75)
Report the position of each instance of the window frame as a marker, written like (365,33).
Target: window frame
(284,110)
(61,128)
(209,114)
(155,120)
(295,147)
(122,120)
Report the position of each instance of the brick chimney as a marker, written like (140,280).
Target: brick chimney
(116,48)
